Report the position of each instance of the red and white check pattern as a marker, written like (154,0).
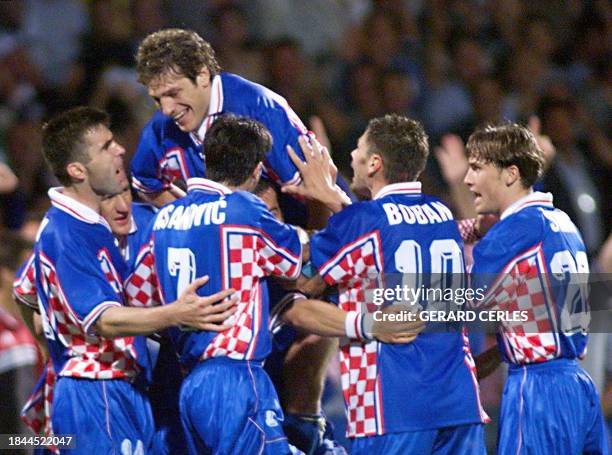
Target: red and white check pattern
(469,361)
(356,268)
(36,413)
(142,286)
(91,356)
(523,286)
(24,286)
(248,256)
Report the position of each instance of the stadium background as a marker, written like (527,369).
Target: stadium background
(451,64)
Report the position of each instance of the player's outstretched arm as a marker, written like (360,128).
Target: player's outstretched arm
(162,198)
(325,319)
(190,309)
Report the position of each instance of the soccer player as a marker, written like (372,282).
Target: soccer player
(533,260)
(420,397)
(182,75)
(79,275)
(220,228)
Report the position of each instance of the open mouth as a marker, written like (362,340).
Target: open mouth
(177,118)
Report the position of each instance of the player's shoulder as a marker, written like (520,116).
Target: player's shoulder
(246,203)
(143,213)
(357,211)
(511,236)
(249,94)
(158,122)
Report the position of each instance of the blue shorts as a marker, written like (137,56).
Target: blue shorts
(551,407)
(105,416)
(459,440)
(231,407)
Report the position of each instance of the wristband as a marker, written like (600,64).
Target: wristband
(357,326)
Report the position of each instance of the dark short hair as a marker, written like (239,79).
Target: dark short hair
(174,50)
(63,138)
(507,145)
(403,145)
(233,147)
(262,186)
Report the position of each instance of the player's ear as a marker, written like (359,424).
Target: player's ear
(511,175)
(76,171)
(375,163)
(203,78)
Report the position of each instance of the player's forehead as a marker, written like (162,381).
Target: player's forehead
(167,81)
(110,202)
(97,136)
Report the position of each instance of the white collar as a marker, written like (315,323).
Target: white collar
(411,188)
(535,198)
(133,227)
(201,184)
(215,107)
(75,208)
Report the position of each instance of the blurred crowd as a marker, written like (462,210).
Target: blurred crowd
(452,64)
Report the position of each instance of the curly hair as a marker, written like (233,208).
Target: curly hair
(174,50)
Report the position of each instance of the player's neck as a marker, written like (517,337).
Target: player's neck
(376,185)
(83,195)
(513,196)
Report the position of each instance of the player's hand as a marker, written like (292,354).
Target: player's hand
(318,173)
(452,159)
(206,313)
(318,128)
(397,332)
(535,126)
(8,180)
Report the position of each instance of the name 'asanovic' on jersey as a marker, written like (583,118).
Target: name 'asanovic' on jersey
(236,241)
(165,153)
(429,383)
(79,273)
(534,260)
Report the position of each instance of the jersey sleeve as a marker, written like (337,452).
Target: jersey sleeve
(285,127)
(87,281)
(343,251)
(24,286)
(146,175)
(279,248)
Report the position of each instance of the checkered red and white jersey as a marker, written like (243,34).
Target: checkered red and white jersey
(236,241)
(79,274)
(372,245)
(24,286)
(541,273)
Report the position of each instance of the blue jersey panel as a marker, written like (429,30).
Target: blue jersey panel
(543,271)
(236,241)
(400,239)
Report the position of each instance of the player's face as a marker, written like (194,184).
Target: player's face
(271,200)
(105,170)
(485,182)
(117,210)
(182,99)
(359,164)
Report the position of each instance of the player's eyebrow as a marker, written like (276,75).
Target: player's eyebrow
(107,144)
